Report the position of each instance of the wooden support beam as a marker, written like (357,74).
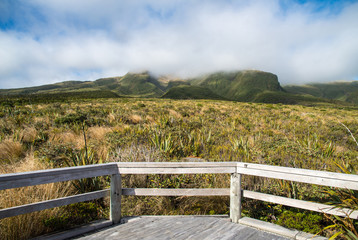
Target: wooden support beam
(175,170)
(176,192)
(312,206)
(16,180)
(116,195)
(235,197)
(33,207)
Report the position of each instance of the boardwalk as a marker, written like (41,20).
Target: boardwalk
(185,227)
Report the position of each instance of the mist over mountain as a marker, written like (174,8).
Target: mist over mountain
(244,86)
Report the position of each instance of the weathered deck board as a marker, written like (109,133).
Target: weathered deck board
(185,227)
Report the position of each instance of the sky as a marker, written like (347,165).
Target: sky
(301,41)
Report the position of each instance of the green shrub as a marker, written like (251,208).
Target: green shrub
(306,221)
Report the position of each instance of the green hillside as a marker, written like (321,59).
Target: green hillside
(140,85)
(131,84)
(56,97)
(68,85)
(352,97)
(244,86)
(288,98)
(176,83)
(343,91)
(191,92)
(239,86)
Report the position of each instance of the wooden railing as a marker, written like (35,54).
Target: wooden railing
(236,169)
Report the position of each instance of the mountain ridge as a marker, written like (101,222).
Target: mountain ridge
(245,86)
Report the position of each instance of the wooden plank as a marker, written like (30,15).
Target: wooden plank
(180,228)
(76,231)
(158,170)
(300,171)
(175,164)
(116,195)
(15,180)
(324,181)
(176,192)
(33,207)
(235,197)
(312,206)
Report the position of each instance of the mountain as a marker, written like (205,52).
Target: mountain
(245,86)
(132,85)
(239,86)
(343,91)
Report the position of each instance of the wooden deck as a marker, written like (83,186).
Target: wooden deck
(186,227)
(180,227)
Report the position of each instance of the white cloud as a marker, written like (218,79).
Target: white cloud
(66,40)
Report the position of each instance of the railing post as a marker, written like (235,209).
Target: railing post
(235,197)
(116,195)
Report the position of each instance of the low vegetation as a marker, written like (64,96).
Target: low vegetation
(71,132)
(191,92)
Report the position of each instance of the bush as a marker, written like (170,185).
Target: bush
(306,221)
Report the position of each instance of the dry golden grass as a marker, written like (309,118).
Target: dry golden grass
(28,225)
(70,111)
(149,119)
(68,137)
(98,133)
(28,135)
(111,117)
(135,119)
(10,151)
(175,114)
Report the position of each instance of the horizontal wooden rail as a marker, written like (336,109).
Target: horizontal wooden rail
(341,180)
(331,179)
(15,180)
(312,206)
(176,191)
(34,207)
(175,164)
(176,167)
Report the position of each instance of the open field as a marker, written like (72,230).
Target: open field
(75,132)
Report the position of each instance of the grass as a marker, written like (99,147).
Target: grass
(28,225)
(129,129)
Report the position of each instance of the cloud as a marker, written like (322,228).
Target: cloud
(51,41)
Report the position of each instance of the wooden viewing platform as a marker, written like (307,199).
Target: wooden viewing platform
(210,226)
(180,228)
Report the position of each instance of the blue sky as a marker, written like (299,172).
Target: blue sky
(301,41)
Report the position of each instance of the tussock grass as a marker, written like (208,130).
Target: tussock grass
(69,138)
(10,151)
(29,135)
(135,119)
(28,225)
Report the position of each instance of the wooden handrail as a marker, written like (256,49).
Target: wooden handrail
(236,169)
(15,180)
